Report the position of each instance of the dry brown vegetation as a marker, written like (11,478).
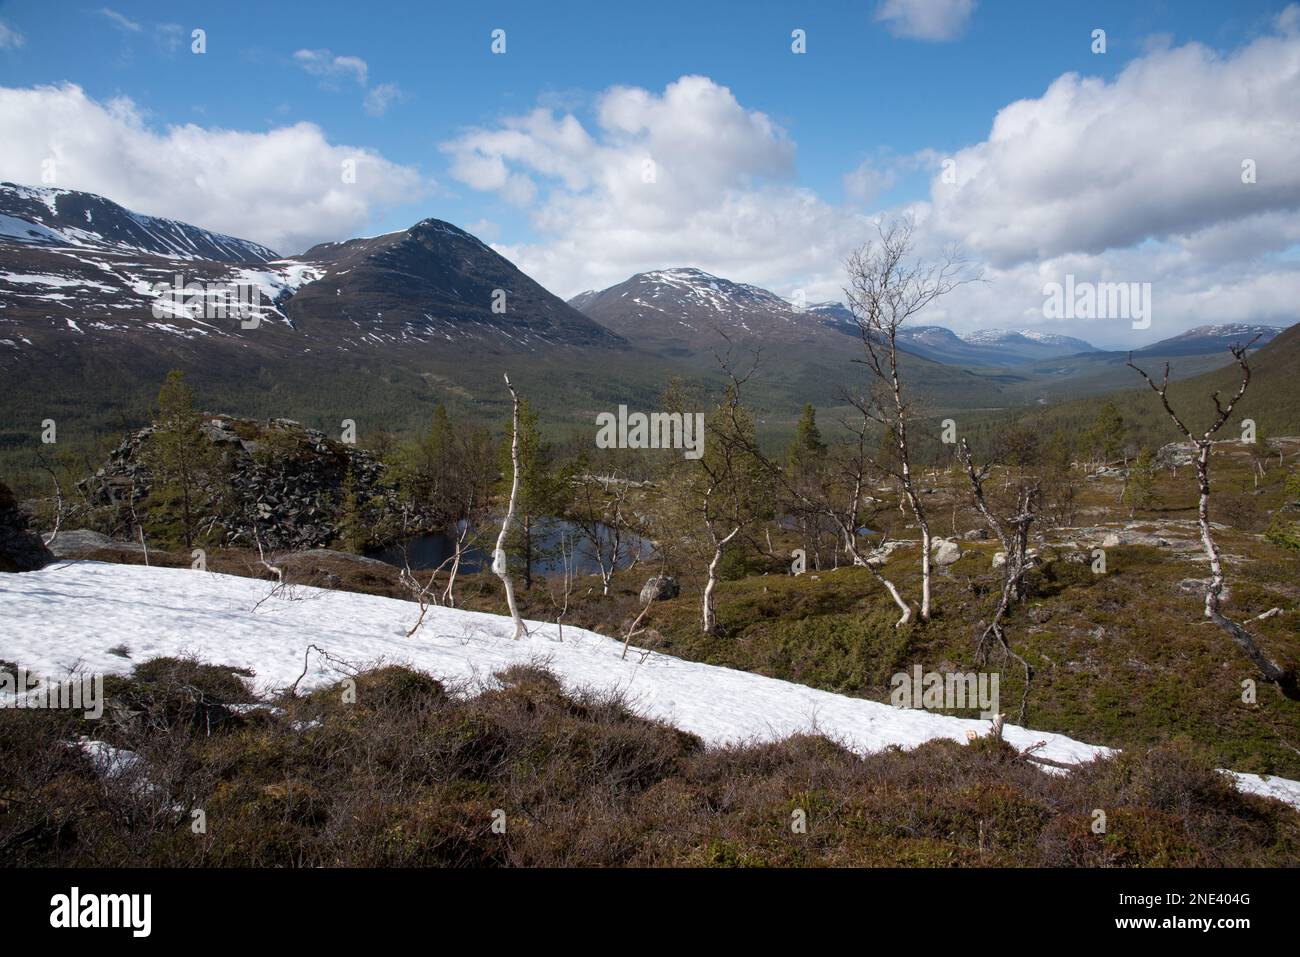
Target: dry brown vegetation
(411,774)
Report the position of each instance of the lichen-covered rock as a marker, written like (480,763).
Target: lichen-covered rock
(660,588)
(944,552)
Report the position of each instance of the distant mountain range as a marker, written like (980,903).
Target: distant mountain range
(77,262)
(985,347)
(671,309)
(379,329)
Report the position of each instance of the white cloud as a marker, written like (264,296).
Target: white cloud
(1288,21)
(934,20)
(1155,154)
(1138,180)
(10,39)
(380,97)
(120,21)
(169,36)
(683,177)
(325,64)
(332,68)
(867,181)
(283,187)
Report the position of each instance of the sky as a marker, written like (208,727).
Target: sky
(598,140)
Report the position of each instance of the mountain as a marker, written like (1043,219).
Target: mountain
(1213,338)
(690,316)
(985,347)
(65,218)
(432,282)
(1026,345)
(377,330)
(75,261)
(679,312)
(1272,399)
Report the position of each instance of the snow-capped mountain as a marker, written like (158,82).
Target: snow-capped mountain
(669,304)
(1215,338)
(984,347)
(674,310)
(1016,338)
(78,269)
(438,284)
(65,218)
(688,317)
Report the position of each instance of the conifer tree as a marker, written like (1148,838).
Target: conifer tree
(182,461)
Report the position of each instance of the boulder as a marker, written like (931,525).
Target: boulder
(21,549)
(74,541)
(945,552)
(1176,454)
(660,588)
(1031,558)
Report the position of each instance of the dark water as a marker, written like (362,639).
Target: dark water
(430,551)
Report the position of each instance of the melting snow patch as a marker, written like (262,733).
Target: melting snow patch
(66,616)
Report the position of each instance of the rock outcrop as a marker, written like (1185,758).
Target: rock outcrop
(277,482)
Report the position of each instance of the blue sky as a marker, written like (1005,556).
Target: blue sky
(869,94)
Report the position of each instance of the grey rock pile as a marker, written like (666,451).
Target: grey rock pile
(278,482)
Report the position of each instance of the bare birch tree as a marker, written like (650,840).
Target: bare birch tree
(1013,533)
(887,287)
(500,565)
(600,513)
(727,488)
(1203,442)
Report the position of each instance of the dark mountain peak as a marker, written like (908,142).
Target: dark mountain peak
(435,281)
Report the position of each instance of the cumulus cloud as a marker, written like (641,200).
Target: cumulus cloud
(284,187)
(1135,179)
(683,177)
(10,39)
(1144,178)
(867,181)
(933,20)
(1288,21)
(1156,153)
